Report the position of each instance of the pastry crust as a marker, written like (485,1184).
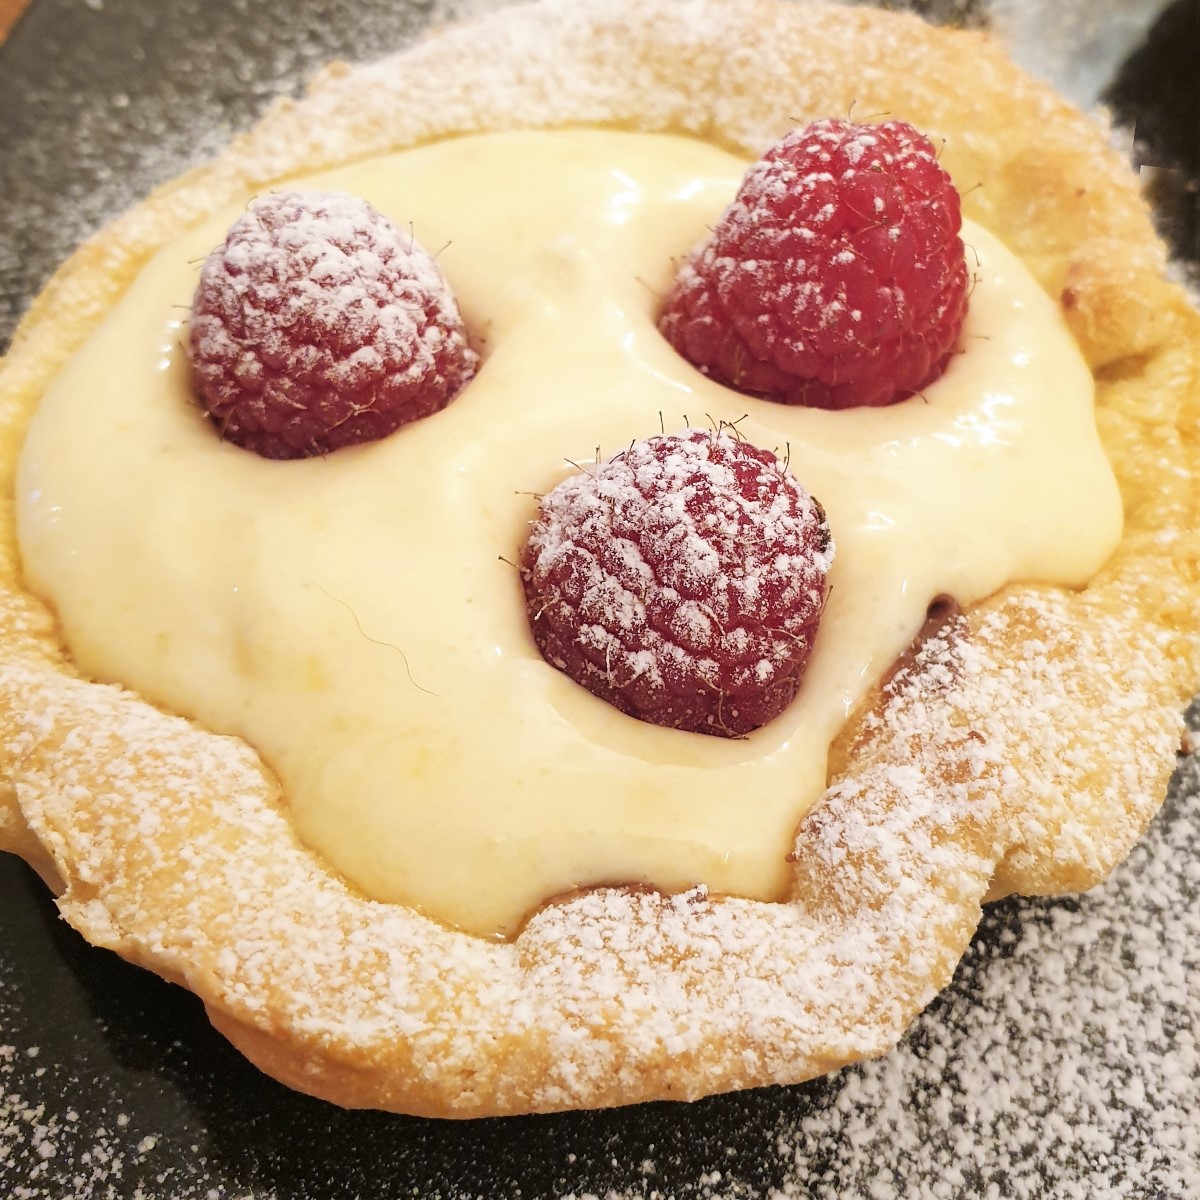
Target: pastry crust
(1023,748)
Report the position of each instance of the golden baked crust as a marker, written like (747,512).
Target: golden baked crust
(1027,755)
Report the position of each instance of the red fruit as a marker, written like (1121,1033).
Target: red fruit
(318,324)
(836,278)
(682,581)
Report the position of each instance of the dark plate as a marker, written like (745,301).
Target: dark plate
(1063,1060)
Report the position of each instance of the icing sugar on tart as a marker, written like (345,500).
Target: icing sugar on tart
(1023,748)
(356,618)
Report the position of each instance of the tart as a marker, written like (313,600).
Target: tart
(1021,747)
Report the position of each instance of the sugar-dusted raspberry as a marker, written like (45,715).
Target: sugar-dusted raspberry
(318,324)
(836,278)
(682,581)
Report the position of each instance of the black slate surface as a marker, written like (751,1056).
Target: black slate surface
(1062,1061)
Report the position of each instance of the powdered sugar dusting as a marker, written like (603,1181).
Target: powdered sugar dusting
(683,581)
(317,324)
(764,304)
(1020,988)
(978,1099)
(48,1153)
(343,256)
(141,123)
(889,870)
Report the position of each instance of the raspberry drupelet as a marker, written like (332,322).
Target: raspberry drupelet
(682,581)
(318,324)
(837,277)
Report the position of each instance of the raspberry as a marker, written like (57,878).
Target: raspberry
(682,581)
(318,324)
(836,278)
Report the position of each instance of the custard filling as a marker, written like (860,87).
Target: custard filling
(357,619)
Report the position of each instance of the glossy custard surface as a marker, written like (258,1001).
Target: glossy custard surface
(357,619)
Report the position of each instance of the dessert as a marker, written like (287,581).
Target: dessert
(889,870)
(240,562)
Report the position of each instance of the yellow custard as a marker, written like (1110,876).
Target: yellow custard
(357,619)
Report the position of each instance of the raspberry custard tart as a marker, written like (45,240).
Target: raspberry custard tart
(541,580)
